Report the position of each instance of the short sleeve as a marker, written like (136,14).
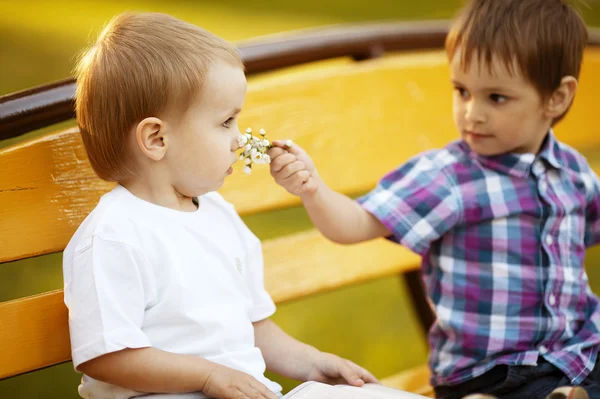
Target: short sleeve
(108,290)
(418,203)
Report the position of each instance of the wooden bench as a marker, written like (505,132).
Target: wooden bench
(357,119)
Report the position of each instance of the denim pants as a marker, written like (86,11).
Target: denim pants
(520,382)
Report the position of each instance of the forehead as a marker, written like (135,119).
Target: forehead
(224,87)
(477,70)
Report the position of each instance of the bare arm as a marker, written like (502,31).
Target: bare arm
(340,218)
(156,371)
(337,216)
(291,358)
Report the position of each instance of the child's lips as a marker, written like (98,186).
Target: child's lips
(230,170)
(477,135)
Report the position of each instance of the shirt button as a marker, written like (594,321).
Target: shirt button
(543,350)
(238,264)
(549,239)
(552,300)
(543,186)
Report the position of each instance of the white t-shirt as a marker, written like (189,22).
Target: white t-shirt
(139,275)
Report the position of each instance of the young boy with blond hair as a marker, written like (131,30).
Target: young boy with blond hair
(163,280)
(500,217)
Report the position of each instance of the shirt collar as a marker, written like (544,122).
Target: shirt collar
(519,165)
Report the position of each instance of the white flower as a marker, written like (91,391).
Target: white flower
(289,143)
(257,157)
(253,149)
(242,140)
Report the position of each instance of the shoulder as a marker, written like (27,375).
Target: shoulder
(114,219)
(572,159)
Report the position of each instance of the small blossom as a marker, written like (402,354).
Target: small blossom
(254,149)
(289,143)
(256,157)
(242,140)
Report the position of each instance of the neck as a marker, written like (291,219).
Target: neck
(161,194)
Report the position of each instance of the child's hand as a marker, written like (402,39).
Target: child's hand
(227,383)
(332,369)
(292,168)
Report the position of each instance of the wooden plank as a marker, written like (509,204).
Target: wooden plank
(34,330)
(357,120)
(34,333)
(306,263)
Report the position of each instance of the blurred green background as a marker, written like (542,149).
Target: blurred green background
(373,323)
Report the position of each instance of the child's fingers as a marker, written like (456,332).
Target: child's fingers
(281,162)
(259,390)
(294,183)
(290,169)
(274,152)
(351,375)
(282,143)
(364,373)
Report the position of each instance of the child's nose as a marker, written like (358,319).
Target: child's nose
(474,112)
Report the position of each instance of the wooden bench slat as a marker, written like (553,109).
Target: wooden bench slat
(306,263)
(34,333)
(347,116)
(34,330)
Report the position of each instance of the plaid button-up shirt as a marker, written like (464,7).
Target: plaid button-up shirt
(503,240)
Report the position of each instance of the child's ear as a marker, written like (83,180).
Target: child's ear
(150,137)
(560,101)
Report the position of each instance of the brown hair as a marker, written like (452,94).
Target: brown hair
(141,65)
(545,38)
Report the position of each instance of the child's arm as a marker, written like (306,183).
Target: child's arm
(156,371)
(291,358)
(338,217)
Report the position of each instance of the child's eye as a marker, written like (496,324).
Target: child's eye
(498,98)
(228,123)
(462,92)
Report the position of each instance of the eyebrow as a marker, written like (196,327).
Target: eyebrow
(488,89)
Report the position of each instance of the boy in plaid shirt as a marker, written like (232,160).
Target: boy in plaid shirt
(501,217)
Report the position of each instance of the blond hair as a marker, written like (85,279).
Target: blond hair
(141,65)
(545,38)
